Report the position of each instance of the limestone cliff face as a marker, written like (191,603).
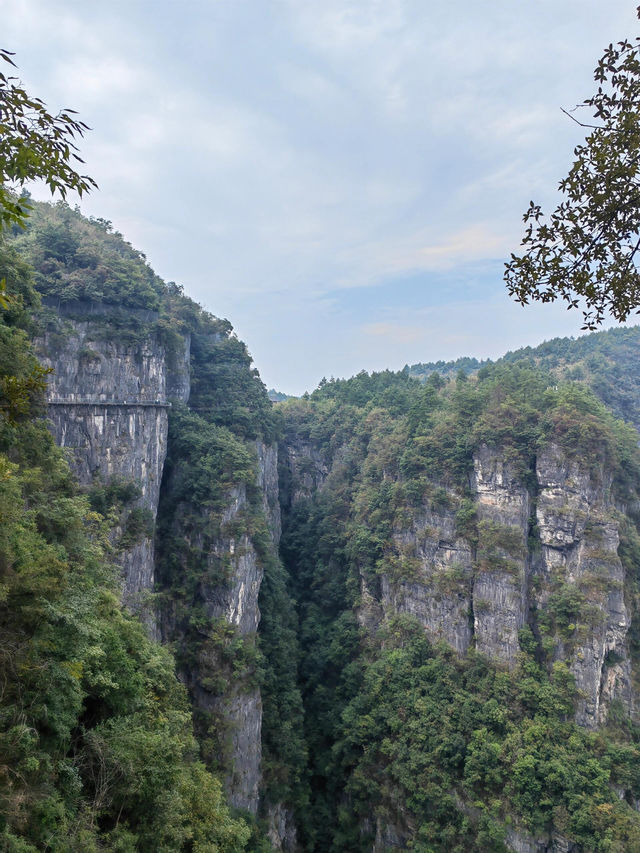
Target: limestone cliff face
(236,602)
(230,573)
(482,588)
(269,486)
(108,405)
(438,590)
(468,589)
(578,528)
(109,402)
(306,470)
(475,570)
(282,831)
(500,587)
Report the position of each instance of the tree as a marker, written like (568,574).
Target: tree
(35,144)
(587,253)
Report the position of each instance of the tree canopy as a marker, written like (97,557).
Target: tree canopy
(35,144)
(587,251)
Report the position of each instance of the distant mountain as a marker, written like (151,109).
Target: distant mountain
(278,396)
(446,369)
(607,362)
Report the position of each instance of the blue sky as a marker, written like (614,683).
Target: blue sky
(342,179)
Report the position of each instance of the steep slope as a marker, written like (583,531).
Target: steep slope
(482,534)
(109,400)
(139,372)
(96,743)
(447,660)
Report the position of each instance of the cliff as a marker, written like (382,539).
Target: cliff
(492,519)
(96,740)
(218,583)
(110,395)
(108,402)
(404,613)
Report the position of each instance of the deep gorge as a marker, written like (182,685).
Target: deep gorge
(404,608)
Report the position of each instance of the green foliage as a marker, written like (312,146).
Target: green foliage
(34,144)
(313,550)
(224,385)
(22,379)
(96,738)
(466,521)
(453,750)
(74,258)
(608,363)
(499,547)
(96,743)
(588,249)
(138,526)
(436,729)
(211,467)
(284,751)
(116,493)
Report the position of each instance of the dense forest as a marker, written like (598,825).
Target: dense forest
(607,362)
(400,723)
(443,649)
(97,747)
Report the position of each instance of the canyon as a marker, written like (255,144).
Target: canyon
(476,528)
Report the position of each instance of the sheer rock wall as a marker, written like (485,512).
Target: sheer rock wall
(530,552)
(108,404)
(579,536)
(231,601)
(532,541)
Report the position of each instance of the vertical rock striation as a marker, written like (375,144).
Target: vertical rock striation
(543,555)
(108,406)
(109,401)
(582,581)
(224,593)
(500,588)
(438,588)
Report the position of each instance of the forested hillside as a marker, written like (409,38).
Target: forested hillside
(439,653)
(96,749)
(104,307)
(445,632)
(607,362)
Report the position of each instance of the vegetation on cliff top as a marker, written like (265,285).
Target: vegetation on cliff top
(606,362)
(453,752)
(96,743)
(78,262)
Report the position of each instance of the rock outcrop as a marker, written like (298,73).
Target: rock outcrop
(225,594)
(437,588)
(582,580)
(108,402)
(500,588)
(476,570)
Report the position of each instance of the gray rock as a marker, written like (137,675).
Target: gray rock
(108,408)
(501,578)
(579,535)
(282,831)
(438,590)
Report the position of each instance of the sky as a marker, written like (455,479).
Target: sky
(342,179)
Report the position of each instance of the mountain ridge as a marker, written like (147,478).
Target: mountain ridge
(440,652)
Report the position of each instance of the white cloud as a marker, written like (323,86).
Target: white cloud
(279,153)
